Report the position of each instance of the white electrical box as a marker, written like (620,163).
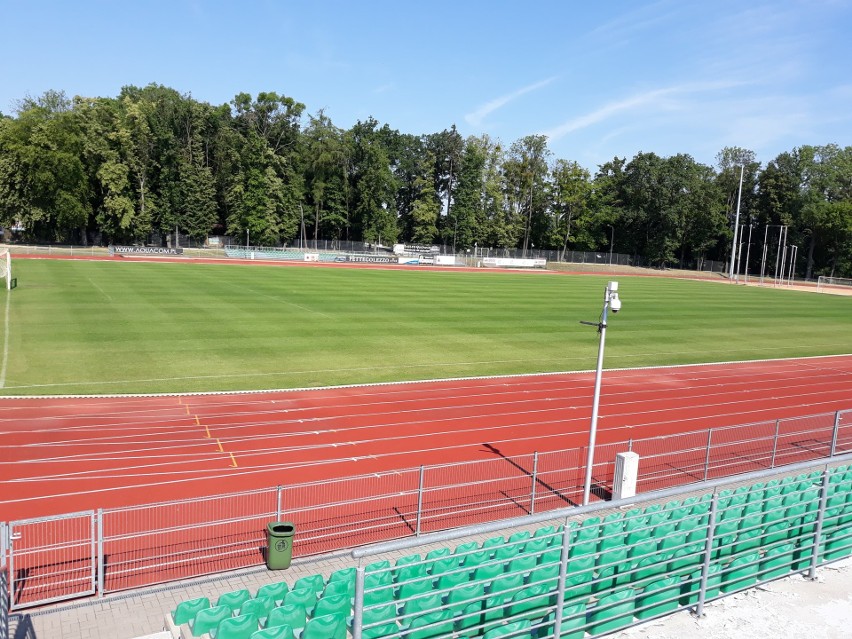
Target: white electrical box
(626,472)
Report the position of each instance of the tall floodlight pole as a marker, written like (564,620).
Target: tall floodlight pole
(612,301)
(748,250)
(736,225)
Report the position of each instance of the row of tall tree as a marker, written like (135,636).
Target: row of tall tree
(151,160)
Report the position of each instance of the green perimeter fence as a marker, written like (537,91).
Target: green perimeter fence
(80,554)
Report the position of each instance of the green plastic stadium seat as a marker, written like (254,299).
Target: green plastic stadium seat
(287,614)
(380,595)
(516,629)
(333,605)
(314,582)
(612,612)
(379,622)
(208,619)
(387,629)
(470,616)
(242,627)
(545,575)
(583,548)
(741,573)
(461,598)
(452,579)
(532,602)
(669,537)
(325,627)
(573,621)
(374,580)
(259,607)
(443,565)
(610,564)
(476,558)
(522,564)
(536,546)
(408,559)
(686,559)
(233,600)
(579,578)
(424,603)
(487,572)
(413,588)
(658,598)
(519,536)
(838,544)
(304,597)
(470,546)
(505,583)
(438,553)
(344,574)
(589,530)
(692,584)
(637,552)
(274,591)
(433,624)
(545,531)
(278,632)
(339,588)
(377,566)
(777,562)
(506,552)
(552,556)
(186,610)
(410,572)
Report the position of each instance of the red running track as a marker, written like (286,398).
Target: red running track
(61,455)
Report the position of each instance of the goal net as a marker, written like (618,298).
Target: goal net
(824,283)
(6,268)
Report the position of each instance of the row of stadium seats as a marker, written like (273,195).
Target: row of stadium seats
(639,564)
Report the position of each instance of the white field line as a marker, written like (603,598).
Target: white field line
(6,331)
(384,368)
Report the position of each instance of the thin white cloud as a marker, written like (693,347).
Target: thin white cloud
(657,99)
(476,117)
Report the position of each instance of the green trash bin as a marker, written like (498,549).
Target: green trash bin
(279,544)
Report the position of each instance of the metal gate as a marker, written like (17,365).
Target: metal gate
(51,559)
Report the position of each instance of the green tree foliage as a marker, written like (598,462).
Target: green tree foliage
(135,167)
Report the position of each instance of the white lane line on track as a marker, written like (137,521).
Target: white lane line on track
(379,368)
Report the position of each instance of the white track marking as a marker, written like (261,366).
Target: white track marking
(6,330)
(381,368)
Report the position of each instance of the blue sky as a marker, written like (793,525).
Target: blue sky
(599,79)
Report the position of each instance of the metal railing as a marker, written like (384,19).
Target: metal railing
(155,543)
(620,566)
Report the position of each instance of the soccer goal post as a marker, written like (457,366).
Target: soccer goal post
(6,267)
(825,282)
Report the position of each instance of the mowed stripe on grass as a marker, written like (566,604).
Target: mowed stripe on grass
(118,327)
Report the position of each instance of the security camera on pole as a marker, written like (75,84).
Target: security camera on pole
(611,302)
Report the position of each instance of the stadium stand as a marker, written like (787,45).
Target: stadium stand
(625,568)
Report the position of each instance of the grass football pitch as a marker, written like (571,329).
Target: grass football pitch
(86,327)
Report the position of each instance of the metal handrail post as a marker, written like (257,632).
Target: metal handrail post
(823,499)
(534,481)
(419,501)
(834,433)
(358,604)
(775,442)
(708,552)
(563,572)
(707,454)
